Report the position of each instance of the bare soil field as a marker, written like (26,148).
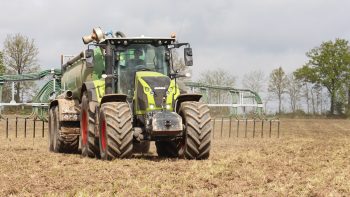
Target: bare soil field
(311,158)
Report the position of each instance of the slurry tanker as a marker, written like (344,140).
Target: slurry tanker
(122,92)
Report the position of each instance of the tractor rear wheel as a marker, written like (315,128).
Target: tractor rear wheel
(62,143)
(116,136)
(87,129)
(197,137)
(51,129)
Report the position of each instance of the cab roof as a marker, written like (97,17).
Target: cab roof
(139,40)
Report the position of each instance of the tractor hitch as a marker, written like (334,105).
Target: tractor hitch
(166,123)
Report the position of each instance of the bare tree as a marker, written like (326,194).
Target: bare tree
(254,80)
(2,66)
(267,98)
(177,61)
(20,56)
(217,77)
(3,87)
(277,85)
(307,95)
(293,90)
(314,98)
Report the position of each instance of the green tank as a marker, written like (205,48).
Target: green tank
(87,66)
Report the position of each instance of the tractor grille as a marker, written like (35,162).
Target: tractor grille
(159,86)
(141,98)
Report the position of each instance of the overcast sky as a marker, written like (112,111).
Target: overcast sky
(238,36)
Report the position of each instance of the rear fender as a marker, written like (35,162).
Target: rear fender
(68,109)
(95,91)
(186,97)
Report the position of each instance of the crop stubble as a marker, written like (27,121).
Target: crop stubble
(310,159)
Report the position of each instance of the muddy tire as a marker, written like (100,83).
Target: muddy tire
(142,147)
(50,133)
(167,149)
(197,137)
(89,147)
(116,136)
(62,144)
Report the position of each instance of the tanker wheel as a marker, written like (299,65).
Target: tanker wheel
(51,129)
(116,136)
(62,144)
(197,136)
(87,130)
(167,148)
(142,147)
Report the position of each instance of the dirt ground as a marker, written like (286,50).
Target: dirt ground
(311,158)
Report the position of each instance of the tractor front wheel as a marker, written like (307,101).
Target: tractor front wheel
(197,137)
(116,136)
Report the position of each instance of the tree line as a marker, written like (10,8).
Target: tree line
(320,86)
(327,70)
(323,81)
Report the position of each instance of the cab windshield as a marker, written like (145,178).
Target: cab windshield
(138,57)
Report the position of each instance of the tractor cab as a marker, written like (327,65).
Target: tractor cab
(144,70)
(139,57)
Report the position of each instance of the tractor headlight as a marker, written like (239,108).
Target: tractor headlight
(168,106)
(151,106)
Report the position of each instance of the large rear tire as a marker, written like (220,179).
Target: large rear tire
(61,143)
(196,142)
(51,129)
(116,136)
(87,129)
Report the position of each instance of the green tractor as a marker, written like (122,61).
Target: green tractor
(121,93)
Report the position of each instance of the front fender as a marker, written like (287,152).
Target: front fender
(114,98)
(186,97)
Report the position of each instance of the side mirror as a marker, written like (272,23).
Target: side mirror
(89,55)
(188,56)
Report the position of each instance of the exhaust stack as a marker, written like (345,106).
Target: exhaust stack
(97,35)
(68,94)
